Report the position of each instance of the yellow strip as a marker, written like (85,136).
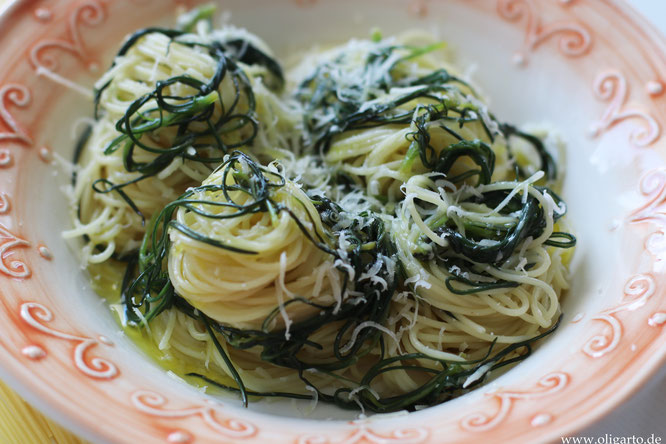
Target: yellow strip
(22,424)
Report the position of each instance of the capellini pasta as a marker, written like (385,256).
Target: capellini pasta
(358,229)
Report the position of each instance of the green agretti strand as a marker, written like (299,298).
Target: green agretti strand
(151,292)
(443,384)
(184,113)
(322,97)
(467,253)
(147,290)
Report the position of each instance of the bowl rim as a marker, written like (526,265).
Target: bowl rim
(635,382)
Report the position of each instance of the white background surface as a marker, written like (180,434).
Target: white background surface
(644,414)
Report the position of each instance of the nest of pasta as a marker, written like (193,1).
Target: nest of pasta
(361,231)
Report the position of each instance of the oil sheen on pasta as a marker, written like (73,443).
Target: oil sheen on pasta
(357,228)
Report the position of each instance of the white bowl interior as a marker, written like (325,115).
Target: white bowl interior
(547,90)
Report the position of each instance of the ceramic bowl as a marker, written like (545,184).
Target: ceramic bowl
(595,70)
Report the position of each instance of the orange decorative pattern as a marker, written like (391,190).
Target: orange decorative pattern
(481,422)
(152,404)
(5,204)
(35,315)
(636,293)
(657,319)
(89,13)
(17,95)
(611,86)
(43,14)
(12,267)
(6,158)
(363,435)
(627,97)
(653,186)
(575,39)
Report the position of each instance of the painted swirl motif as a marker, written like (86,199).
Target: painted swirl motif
(89,13)
(653,186)
(6,158)
(362,435)
(35,315)
(16,95)
(636,293)
(611,86)
(9,266)
(574,39)
(657,319)
(481,422)
(5,204)
(8,242)
(152,403)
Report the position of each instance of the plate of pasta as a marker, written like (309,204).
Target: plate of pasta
(327,222)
